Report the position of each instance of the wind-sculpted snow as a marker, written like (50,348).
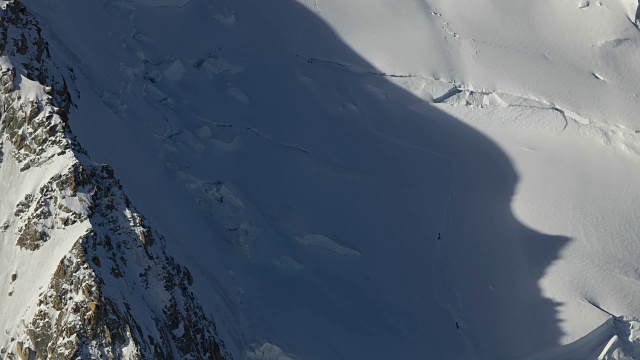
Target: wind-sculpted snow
(83,275)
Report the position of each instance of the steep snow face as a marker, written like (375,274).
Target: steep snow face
(82,275)
(375,180)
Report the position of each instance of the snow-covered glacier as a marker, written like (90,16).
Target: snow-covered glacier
(320,179)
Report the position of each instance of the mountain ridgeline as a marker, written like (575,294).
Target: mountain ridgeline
(85,276)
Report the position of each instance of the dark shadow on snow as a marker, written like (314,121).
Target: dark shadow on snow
(329,148)
(473,293)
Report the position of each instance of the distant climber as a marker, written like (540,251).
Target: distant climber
(439,236)
(457,326)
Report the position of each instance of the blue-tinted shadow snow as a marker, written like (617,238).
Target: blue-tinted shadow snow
(308,178)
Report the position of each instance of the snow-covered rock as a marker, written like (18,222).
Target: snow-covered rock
(83,275)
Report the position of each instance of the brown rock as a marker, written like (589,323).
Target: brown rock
(25,353)
(93,306)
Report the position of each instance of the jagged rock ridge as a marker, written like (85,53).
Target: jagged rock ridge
(114,293)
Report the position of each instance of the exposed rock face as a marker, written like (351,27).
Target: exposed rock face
(21,39)
(116,294)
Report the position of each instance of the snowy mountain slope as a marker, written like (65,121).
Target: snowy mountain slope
(314,153)
(83,276)
(272,217)
(579,56)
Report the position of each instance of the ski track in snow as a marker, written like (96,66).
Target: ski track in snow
(439,249)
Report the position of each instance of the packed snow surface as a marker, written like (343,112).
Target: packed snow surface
(372,179)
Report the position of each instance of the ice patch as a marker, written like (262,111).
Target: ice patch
(227,19)
(268,352)
(612,44)
(155,94)
(216,66)
(204,132)
(237,93)
(176,71)
(224,195)
(235,144)
(379,93)
(287,264)
(326,243)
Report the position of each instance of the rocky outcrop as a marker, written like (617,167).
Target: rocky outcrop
(121,294)
(21,39)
